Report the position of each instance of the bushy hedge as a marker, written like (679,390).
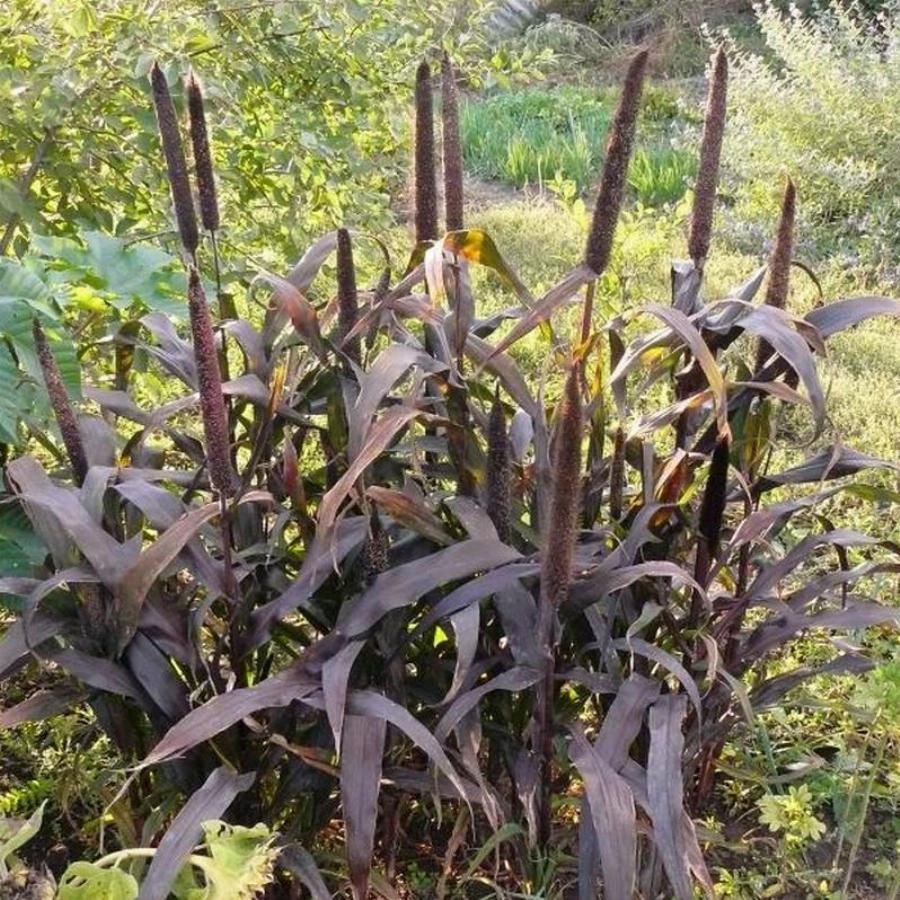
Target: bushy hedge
(823,102)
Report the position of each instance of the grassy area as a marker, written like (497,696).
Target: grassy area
(544,136)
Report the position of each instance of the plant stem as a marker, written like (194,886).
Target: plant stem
(866,797)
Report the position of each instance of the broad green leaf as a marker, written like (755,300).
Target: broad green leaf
(88,881)
(16,833)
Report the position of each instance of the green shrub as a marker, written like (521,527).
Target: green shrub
(307,103)
(823,103)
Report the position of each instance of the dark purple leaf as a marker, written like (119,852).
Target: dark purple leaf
(335,685)
(506,370)
(368,703)
(208,802)
(611,806)
(665,791)
(41,705)
(299,861)
(19,641)
(153,671)
(515,679)
(667,661)
(405,584)
(843,314)
(100,673)
(544,308)
(200,724)
(391,364)
(325,553)
(141,575)
(108,557)
(625,718)
(379,436)
(833,462)
(361,753)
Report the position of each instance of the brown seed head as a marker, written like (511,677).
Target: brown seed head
(453,161)
(617,477)
(209,382)
(615,168)
(783,252)
(348,308)
(175,162)
(498,471)
(426,186)
(375,550)
(62,406)
(203,166)
(712,509)
(780,264)
(560,538)
(708,169)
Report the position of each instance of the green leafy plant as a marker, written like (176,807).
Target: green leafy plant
(816,104)
(792,814)
(234,863)
(356,561)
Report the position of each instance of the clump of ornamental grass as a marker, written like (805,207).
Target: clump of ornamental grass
(615,168)
(176,165)
(452,148)
(708,168)
(313,649)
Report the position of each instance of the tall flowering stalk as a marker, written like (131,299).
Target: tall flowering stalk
(212,401)
(710,154)
(780,264)
(426,187)
(348,302)
(176,166)
(615,167)
(712,509)
(62,406)
(452,145)
(203,165)
(617,477)
(498,471)
(556,571)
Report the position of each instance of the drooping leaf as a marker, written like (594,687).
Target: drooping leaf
(208,802)
(379,437)
(136,581)
(843,314)
(544,308)
(665,791)
(361,753)
(611,806)
(404,584)
(411,512)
